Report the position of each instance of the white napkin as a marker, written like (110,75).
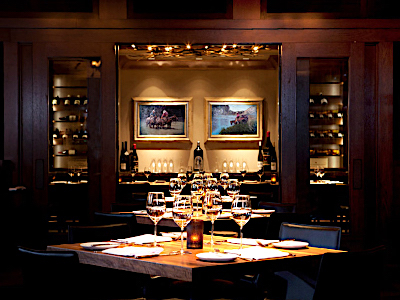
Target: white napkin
(257,253)
(135,251)
(251,242)
(144,239)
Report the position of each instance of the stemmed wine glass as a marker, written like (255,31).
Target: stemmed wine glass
(182,212)
(147,172)
(156,208)
(241,212)
(175,187)
(243,170)
(211,185)
(224,180)
(233,187)
(260,173)
(212,206)
(189,172)
(196,189)
(183,178)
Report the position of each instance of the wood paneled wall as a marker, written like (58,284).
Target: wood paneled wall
(29,43)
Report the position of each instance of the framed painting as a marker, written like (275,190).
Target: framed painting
(236,119)
(161,119)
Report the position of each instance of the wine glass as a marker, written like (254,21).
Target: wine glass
(196,189)
(175,187)
(260,173)
(71,173)
(243,170)
(211,185)
(156,208)
(233,187)
(241,212)
(183,178)
(182,212)
(78,173)
(189,172)
(147,172)
(224,180)
(212,206)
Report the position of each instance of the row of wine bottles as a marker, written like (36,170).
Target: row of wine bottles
(128,160)
(324,152)
(326,115)
(71,152)
(78,100)
(267,160)
(68,133)
(72,118)
(326,134)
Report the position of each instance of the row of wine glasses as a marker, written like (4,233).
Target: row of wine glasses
(182,211)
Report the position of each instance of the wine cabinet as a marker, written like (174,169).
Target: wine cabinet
(328,113)
(68,112)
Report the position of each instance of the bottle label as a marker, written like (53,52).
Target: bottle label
(85,102)
(123,166)
(77,102)
(54,102)
(75,136)
(259,165)
(67,102)
(273,166)
(198,163)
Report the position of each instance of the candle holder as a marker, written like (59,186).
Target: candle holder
(195,234)
(273,178)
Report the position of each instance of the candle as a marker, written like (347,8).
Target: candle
(195,234)
(273,178)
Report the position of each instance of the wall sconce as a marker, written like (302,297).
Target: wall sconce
(95,63)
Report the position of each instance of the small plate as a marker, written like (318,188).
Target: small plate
(263,211)
(99,245)
(290,244)
(216,256)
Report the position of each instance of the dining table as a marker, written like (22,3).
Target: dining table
(194,267)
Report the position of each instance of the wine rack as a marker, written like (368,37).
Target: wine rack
(328,113)
(68,112)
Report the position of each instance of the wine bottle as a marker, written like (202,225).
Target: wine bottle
(56,134)
(198,158)
(134,160)
(67,101)
(267,153)
(122,159)
(55,101)
(77,100)
(260,158)
(75,135)
(85,101)
(127,156)
(273,160)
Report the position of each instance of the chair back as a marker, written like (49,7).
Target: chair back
(106,218)
(277,218)
(350,275)
(97,233)
(315,235)
(49,274)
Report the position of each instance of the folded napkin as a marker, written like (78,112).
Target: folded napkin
(252,242)
(255,253)
(144,239)
(136,252)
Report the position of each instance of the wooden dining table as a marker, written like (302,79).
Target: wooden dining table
(188,267)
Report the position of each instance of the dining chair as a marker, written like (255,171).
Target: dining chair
(106,218)
(289,284)
(277,218)
(97,233)
(350,275)
(50,274)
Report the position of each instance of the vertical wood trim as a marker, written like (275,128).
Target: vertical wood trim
(40,119)
(385,137)
(109,129)
(302,134)
(288,124)
(11,108)
(356,135)
(26,122)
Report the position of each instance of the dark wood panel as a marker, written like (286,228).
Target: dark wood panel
(26,120)
(356,134)
(385,138)
(288,124)
(11,110)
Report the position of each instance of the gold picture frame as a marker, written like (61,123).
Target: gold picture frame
(151,123)
(234,118)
